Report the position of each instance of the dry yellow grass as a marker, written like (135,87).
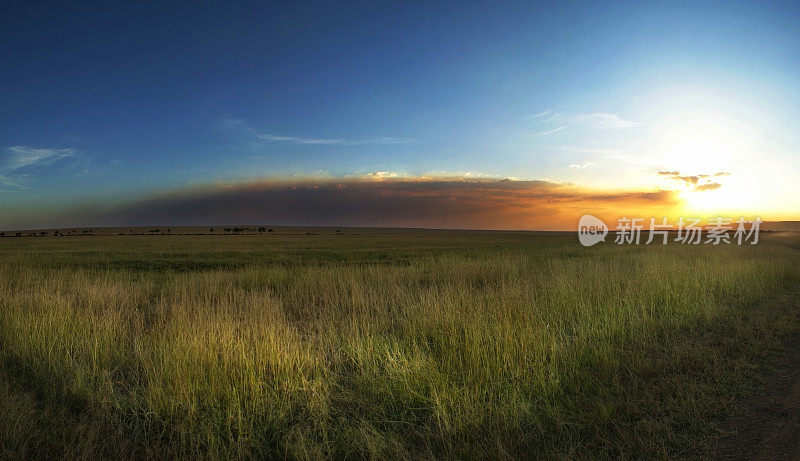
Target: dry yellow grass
(428,344)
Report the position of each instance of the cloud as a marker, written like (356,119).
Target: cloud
(604,121)
(384,174)
(699,182)
(541,114)
(687,179)
(708,186)
(21,163)
(554,130)
(22,157)
(594,121)
(337,141)
(241,127)
(581,166)
(296,140)
(375,201)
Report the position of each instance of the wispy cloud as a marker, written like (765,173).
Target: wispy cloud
(592,121)
(242,127)
(21,162)
(581,166)
(332,141)
(23,156)
(541,114)
(554,130)
(604,121)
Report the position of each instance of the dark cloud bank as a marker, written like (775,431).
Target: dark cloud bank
(405,202)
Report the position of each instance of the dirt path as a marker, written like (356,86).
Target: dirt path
(767,425)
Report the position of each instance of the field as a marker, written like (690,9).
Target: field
(379,343)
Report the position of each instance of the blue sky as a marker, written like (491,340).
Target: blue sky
(111,102)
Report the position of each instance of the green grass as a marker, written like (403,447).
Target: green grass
(381,344)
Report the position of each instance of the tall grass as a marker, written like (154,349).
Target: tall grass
(533,347)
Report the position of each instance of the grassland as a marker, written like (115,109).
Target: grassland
(381,344)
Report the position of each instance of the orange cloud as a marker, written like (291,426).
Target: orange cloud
(700,182)
(709,186)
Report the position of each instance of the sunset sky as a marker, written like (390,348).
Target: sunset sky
(484,115)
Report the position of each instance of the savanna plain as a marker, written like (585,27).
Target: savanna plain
(372,343)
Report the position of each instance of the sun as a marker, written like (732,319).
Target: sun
(734,195)
(709,152)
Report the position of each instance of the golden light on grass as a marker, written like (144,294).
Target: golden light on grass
(404,345)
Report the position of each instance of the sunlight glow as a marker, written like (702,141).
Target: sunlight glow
(712,154)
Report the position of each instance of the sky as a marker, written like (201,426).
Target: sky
(480,115)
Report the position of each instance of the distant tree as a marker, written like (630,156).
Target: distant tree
(42,233)
(227,230)
(169,231)
(269,230)
(19,234)
(211,230)
(262,229)
(236,230)
(2,234)
(56,233)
